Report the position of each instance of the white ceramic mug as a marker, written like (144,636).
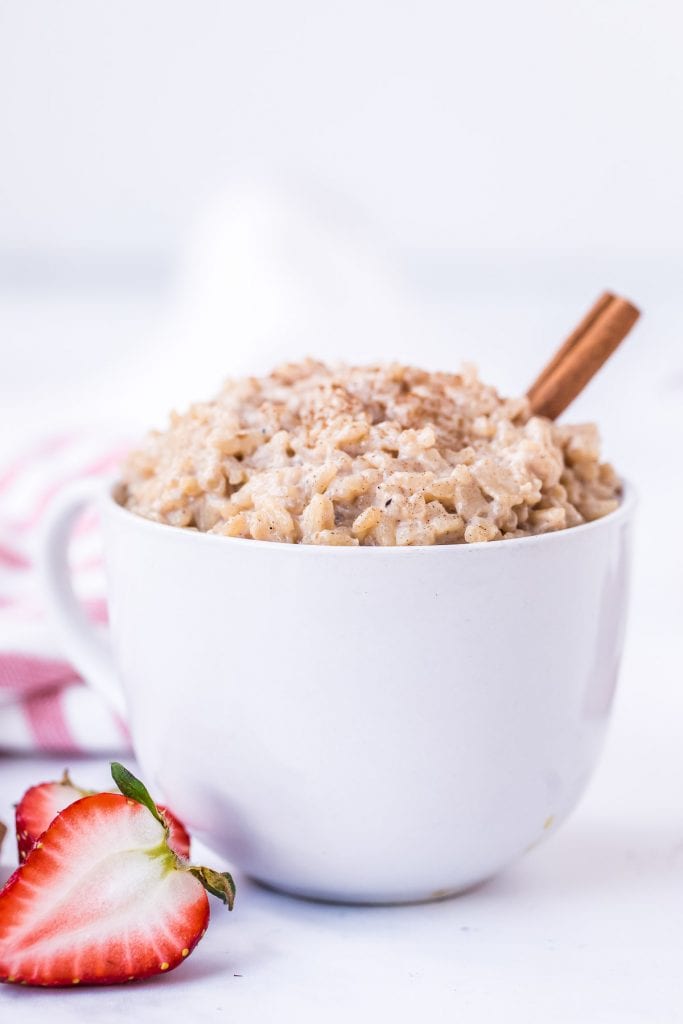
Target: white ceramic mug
(356,724)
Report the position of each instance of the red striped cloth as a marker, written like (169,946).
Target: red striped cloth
(44,704)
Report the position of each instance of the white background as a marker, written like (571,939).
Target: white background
(535,125)
(188,190)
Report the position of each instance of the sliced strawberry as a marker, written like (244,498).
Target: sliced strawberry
(41,804)
(102,897)
(178,836)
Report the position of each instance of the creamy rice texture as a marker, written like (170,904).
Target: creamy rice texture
(372,455)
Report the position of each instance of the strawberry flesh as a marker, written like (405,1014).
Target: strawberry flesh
(41,804)
(38,808)
(102,898)
(178,836)
(99,899)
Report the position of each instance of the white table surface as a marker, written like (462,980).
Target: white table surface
(587,929)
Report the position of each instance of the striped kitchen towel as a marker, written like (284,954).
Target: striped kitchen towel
(44,704)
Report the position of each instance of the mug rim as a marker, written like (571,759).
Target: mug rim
(623,511)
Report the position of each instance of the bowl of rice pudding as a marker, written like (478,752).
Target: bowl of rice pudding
(366,623)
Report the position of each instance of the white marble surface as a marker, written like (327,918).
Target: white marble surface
(586,928)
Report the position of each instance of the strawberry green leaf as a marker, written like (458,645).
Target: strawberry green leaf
(134,789)
(3,833)
(218,883)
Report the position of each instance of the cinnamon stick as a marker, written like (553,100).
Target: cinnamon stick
(589,345)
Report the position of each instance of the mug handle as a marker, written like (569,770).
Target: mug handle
(82,645)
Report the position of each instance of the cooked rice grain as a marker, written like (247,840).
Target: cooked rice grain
(373,455)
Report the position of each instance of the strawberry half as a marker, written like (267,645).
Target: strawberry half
(102,897)
(41,804)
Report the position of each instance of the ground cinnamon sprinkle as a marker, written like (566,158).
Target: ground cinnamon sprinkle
(371,455)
